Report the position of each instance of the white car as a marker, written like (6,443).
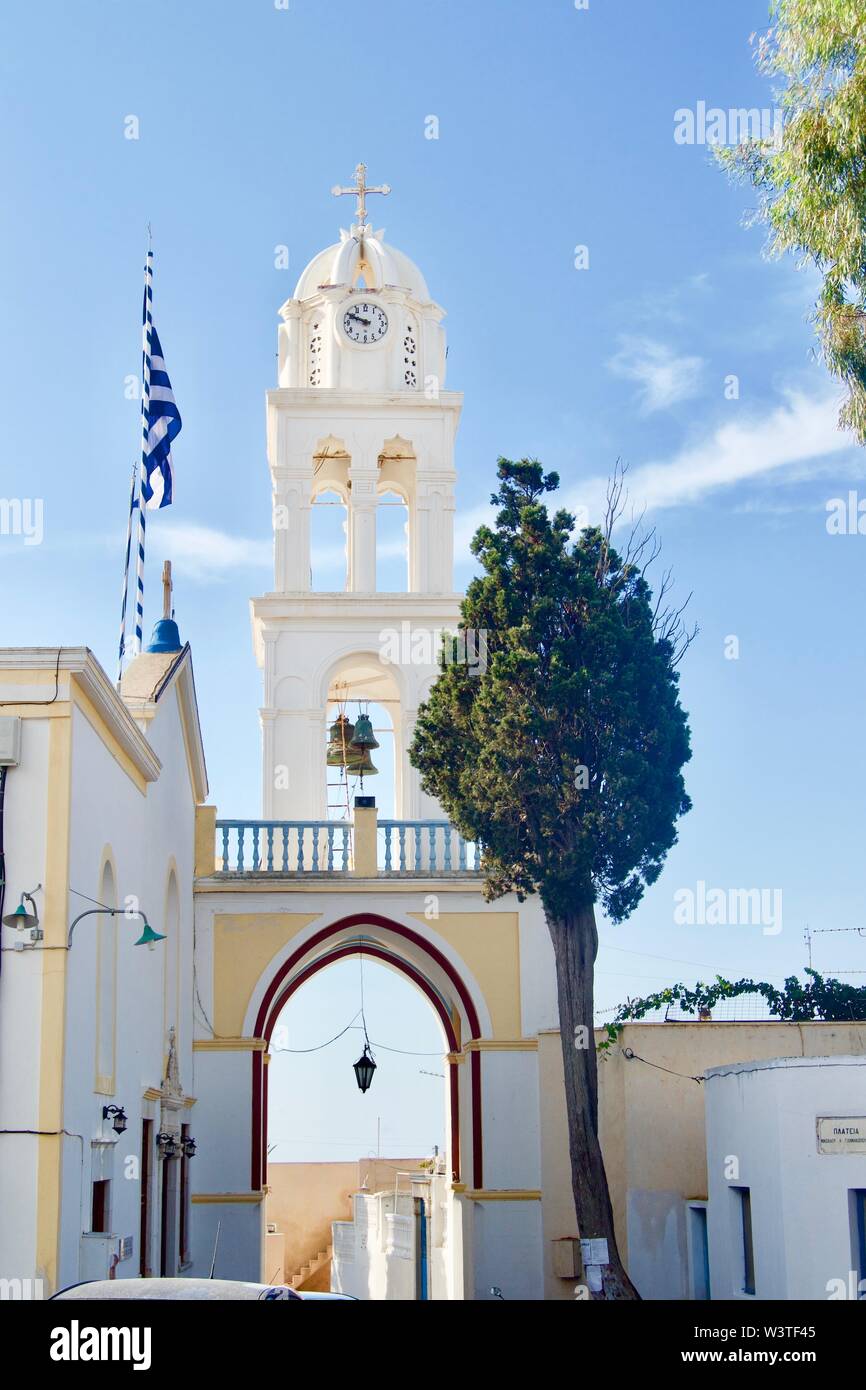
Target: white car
(209,1290)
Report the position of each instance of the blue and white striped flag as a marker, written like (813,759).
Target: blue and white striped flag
(153,479)
(161,422)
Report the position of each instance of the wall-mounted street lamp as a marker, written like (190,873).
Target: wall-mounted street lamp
(24,920)
(148,935)
(189,1148)
(167,1144)
(117,1115)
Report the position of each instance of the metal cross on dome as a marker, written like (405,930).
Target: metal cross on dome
(360,189)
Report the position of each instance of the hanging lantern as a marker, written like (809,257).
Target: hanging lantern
(364,1068)
(340,737)
(363,736)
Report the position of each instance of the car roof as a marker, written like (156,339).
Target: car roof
(211,1290)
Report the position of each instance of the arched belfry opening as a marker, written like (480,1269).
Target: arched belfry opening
(361,688)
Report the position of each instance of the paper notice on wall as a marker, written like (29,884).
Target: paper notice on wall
(594,1252)
(593,1278)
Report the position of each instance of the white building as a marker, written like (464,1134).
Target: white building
(98,809)
(786,1159)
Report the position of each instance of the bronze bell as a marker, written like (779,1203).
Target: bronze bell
(363,736)
(360,764)
(339,739)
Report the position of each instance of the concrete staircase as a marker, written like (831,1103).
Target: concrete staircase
(315,1275)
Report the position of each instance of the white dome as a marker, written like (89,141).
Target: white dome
(362,253)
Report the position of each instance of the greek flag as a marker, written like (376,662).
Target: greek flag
(161,420)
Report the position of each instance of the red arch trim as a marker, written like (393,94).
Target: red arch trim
(351,949)
(275,998)
(266,1018)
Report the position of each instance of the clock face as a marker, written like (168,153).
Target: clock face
(365,323)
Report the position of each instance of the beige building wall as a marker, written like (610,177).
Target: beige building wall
(652,1123)
(304,1198)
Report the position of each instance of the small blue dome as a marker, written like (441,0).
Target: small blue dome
(166,637)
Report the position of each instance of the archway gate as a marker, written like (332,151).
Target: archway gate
(258,941)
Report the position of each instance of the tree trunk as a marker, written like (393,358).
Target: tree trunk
(575,943)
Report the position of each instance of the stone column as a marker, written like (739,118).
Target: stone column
(433,541)
(363,499)
(267,719)
(291,519)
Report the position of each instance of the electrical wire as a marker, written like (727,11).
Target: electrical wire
(298,1050)
(403,1052)
(632,1056)
(56,687)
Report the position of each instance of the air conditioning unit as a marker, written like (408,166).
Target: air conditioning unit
(10,740)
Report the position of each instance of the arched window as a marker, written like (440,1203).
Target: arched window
(106,984)
(328,542)
(392,543)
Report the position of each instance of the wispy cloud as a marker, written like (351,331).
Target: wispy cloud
(802,429)
(201,552)
(792,443)
(663,376)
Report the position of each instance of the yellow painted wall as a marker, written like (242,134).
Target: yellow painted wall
(489,943)
(304,1199)
(54,963)
(243,946)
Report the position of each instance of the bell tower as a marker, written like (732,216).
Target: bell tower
(360,413)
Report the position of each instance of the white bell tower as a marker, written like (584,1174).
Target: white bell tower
(360,411)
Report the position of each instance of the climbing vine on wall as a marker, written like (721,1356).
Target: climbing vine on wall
(830,1000)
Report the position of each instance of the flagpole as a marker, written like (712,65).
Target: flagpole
(146,332)
(121,651)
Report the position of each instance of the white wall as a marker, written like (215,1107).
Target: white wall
(762,1129)
(141,835)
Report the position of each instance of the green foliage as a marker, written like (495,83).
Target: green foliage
(580,675)
(818,998)
(812,183)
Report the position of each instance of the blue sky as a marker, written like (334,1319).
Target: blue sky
(556,130)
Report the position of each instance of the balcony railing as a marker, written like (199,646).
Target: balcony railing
(283,846)
(420,847)
(425,847)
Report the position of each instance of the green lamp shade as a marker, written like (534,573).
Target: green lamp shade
(148,936)
(20,918)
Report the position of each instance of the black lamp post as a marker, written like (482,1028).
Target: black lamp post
(364,1068)
(117,1115)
